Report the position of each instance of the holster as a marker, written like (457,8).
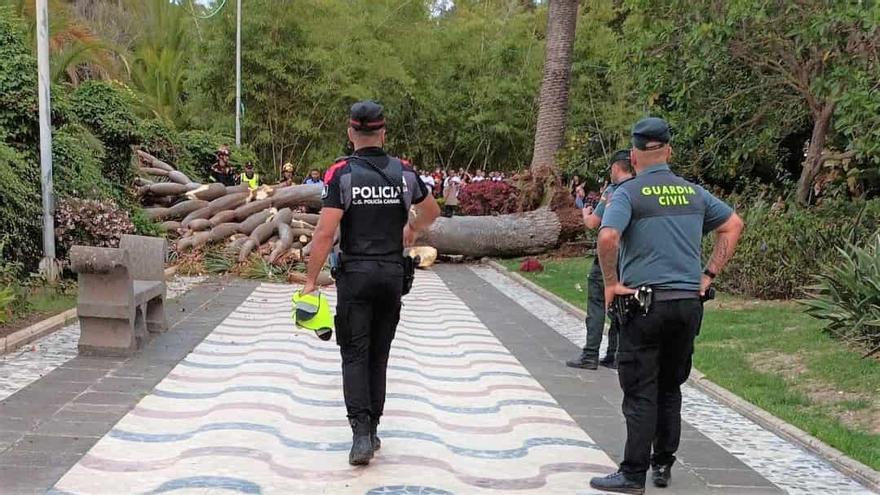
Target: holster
(624,308)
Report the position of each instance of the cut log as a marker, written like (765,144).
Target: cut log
(229,202)
(165,189)
(199,225)
(285,240)
(304,195)
(158,172)
(157,213)
(299,224)
(309,218)
(200,213)
(254,221)
(246,249)
(238,189)
(224,231)
(224,216)
(199,239)
(283,216)
(141,181)
(208,192)
(245,211)
(148,160)
(170,226)
(303,239)
(426,254)
(503,235)
(184,208)
(178,177)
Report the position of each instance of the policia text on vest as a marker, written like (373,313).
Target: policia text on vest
(367,196)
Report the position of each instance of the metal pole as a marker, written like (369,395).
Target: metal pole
(238,75)
(48,265)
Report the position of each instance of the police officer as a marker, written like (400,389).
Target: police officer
(654,223)
(368,195)
(620,170)
(250,177)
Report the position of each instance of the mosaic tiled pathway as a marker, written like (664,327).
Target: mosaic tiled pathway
(257,408)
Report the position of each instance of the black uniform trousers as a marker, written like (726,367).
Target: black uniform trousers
(367,313)
(654,360)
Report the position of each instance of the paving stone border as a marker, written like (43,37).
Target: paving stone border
(849,466)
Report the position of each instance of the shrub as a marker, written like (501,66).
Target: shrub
(90,223)
(199,152)
(160,140)
(18,82)
(487,198)
(76,159)
(847,295)
(782,248)
(20,208)
(108,111)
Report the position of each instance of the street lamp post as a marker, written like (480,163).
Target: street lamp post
(48,265)
(238,74)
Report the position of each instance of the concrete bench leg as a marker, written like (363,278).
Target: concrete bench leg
(106,337)
(140,326)
(156,320)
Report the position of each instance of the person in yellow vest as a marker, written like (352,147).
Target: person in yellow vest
(250,177)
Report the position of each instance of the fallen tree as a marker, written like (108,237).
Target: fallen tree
(272,220)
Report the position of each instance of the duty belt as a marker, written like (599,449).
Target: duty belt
(661,295)
(391,258)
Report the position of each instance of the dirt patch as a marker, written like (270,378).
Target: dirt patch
(24,322)
(575,249)
(840,403)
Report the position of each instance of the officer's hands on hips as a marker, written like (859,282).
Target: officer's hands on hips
(705,283)
(611,291)
(410,236)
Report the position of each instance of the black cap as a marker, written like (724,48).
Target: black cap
(650,130)
(367,115)
(249,165)
(619,156)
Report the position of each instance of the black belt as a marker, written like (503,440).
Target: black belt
(661,295)
(390,258)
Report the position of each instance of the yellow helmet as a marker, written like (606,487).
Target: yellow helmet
(312,312)
(288,167)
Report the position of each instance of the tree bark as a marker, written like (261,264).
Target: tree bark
(814,159)
(553,98)
(504,235)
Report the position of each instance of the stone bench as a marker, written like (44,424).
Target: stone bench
(121,298)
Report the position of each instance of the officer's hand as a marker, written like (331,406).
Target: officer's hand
(611,291)
(587,211)
(705,283)
(308,288)
(410,236)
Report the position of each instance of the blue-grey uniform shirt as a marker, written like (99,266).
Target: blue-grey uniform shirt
(662,219)
(600,207)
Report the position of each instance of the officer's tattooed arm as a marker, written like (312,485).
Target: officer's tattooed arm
(608,246)
(726,238)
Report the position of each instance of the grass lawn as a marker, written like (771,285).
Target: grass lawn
(774,356)
(42,303)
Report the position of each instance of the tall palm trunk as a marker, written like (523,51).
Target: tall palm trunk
(553,102)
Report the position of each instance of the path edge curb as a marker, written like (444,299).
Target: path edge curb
(851,467)
(42,328)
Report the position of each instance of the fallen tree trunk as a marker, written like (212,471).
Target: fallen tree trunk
(503,235)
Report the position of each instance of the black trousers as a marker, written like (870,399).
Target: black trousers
(654,360)
(367,313)
(595,320)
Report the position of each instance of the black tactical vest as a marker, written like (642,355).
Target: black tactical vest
(376,209)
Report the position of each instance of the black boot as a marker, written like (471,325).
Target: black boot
(661,474)
(585,361)
(609,361)
(618,483)
(374,437)
(361,446)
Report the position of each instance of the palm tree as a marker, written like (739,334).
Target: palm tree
(553,99)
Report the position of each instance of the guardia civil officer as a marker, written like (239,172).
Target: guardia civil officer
(368,196)
(619,169)
(654,225)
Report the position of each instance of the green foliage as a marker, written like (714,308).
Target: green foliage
(18,83)
(19,208)
(7,299)
(782,248)
(76,159)
(847,295)
(143,225)
(199,152)
(108,112)
(219,260)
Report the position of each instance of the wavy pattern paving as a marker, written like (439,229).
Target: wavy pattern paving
(257,408)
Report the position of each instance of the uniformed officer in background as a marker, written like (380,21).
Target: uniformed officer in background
(368,195)
(619,169)
(654,225)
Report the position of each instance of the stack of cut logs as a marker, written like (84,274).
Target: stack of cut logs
(266,220)
(262,220)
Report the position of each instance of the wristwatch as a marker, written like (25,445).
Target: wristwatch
(709,273)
